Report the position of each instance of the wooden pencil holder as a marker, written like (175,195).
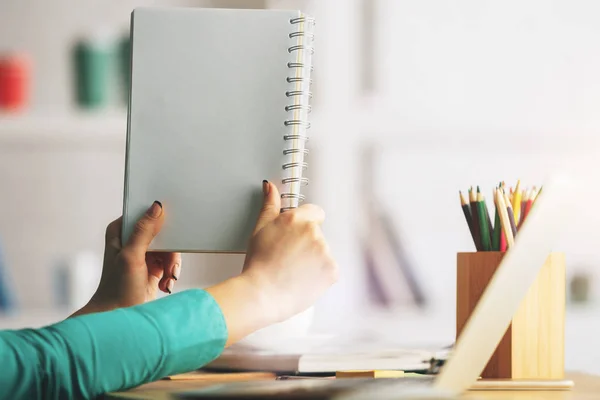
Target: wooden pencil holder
(534,344)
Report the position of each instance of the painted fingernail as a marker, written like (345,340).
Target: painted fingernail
(265,187)
(170,285)
(155,209)
(176,271)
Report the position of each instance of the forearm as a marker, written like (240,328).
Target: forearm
(245,307)
(85,356)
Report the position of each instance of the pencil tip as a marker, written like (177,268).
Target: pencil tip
(478,191)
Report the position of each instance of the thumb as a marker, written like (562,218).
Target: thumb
(146,228)
(271,206)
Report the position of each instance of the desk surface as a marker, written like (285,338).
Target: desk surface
(587,387)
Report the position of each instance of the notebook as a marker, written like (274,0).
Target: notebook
(219,101)
(338,353)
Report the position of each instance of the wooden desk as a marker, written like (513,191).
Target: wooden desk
(587,387)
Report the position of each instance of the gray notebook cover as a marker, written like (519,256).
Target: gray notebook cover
(218,102)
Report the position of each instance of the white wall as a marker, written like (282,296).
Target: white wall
(512,66)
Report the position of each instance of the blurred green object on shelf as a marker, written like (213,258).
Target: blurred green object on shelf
(93,68)
(581,287)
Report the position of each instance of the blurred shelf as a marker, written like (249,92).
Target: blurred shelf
(74,128)
(372,121)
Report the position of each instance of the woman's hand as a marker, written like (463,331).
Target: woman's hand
(288,257)
(287,268)
(130,274)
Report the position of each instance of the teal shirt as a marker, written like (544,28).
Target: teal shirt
(85,356)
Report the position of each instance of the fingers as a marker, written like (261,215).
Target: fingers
(146,229)
(166,267)
(166,284)
(271,206)
(172,265)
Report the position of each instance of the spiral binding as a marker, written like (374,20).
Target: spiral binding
(292,151)
(292,138)
(299,65)
(302,164)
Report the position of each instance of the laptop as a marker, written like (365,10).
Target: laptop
(479,338)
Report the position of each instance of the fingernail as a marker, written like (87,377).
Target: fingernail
(176,271)
(265,187)
(155,209)
(170,285)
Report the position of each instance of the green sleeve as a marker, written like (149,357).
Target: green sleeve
(86,356)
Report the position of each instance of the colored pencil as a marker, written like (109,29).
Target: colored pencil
(467,211)
(534,194)
(503,244)
(504,221)
(511,216)
(523,206)
(475,217)
(487,214)
(516,201)
(497,233)
(537,195)
(510,211)
(528,204)
(486,242)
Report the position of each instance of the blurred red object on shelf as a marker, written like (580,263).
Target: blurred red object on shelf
(15,77)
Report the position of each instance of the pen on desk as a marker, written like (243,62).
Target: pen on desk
(294,377)
(486,243)
(475,218)
(467,212)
